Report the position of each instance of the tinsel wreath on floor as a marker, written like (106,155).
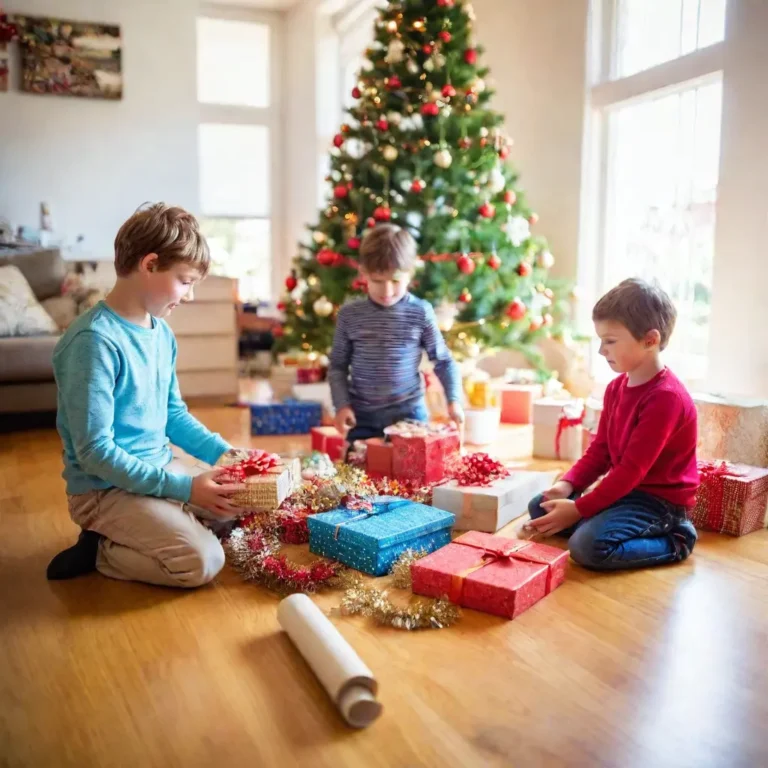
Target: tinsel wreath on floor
(254,549)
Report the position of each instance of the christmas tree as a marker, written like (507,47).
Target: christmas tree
(421,148)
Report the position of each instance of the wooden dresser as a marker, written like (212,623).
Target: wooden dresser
(206,334)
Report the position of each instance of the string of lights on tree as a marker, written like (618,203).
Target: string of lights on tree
(421,148)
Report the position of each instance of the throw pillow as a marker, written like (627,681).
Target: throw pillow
(20,312)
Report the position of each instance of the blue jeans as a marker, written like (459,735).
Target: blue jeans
(637,531)
(372,424)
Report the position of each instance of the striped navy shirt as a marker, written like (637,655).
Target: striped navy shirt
(377,352)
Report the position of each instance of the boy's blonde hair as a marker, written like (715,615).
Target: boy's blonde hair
(640,307)
(387,248)
(170,232)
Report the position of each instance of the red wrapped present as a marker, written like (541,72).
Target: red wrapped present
(329,440)
(732,498)
(490,573)
(378,458)
(312,375)
(517,402)
(420,451)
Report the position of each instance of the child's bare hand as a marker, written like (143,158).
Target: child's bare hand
(561,514)
(213,496)
(456,412)
(345,420)
(560,490)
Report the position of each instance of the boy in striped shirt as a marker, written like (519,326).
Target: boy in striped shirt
(379,341)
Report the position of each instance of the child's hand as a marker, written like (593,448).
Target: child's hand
(213,496)
(345,420)
(456,412)
(560,490)
(561,514)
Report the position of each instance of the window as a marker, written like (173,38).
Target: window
(236,150)
(652,168)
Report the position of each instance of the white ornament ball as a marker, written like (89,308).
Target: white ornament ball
(367,65)
(443,158)
(394,117)
(429,65)
(484,132)
(479,85)
(417,121)
(322,307)
(389,153)
(546,260)
(319,237)
(497,181)
(412,67)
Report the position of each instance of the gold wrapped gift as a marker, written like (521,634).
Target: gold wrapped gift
(266,491)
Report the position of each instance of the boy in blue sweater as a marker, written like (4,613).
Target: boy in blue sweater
(379,343)
(119,407)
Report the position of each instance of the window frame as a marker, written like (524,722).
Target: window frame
(269,117)
(606,92)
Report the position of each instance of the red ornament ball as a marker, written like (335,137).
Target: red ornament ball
(340,191)
(487,210)
(326,257)
(394,83)
(483,141)
(356,93)
(548,321)
(277,331)
(370,223)
(465,142)
(516,309)
(448,91)
(494,262)
(359,284)
(510,198)
(338,140)
(281,306)
(445,36)
(465,296)
(470,56)
(353,243)
(465,264)
(445,3)
(533,219)
(417,186)
(382,124)
(536,323)
(427,49)
(345,128)
(504,152)
(291,282)
(382,213)
(524,269)
(430,109)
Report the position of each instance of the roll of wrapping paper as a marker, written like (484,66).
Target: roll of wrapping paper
(342,673)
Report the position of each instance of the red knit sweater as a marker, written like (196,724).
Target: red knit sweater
(646,441)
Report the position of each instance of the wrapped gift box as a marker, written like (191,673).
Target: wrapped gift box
(732,498)
(420,451)
(378,458)
(265,491)
(732,429)
(488,508)
(557,424)
(291,417)
(310,375)
(517,402)
(329,440)
(371,540)
(481,425)
(489,573)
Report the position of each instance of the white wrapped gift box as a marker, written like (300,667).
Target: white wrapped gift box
(548,414)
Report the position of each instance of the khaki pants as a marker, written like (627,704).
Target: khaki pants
(159,541)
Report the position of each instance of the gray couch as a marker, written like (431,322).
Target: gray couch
(26,363)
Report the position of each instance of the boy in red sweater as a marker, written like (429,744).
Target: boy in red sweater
(645,446)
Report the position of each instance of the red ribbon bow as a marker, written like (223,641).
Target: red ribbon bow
(714,474)
(504,553)
(477,469)
(564,422)
(257,463)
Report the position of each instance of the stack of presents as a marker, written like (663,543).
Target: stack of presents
(468,562)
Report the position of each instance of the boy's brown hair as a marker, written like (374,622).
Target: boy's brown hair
(640,307)
(387,248)
(170,232)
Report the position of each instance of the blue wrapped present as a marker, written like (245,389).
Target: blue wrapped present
(371,539)
(291,417)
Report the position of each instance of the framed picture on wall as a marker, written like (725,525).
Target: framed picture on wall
(70,58)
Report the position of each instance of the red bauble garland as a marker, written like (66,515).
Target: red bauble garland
(477,469)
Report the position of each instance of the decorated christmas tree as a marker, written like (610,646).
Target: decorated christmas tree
(421,148)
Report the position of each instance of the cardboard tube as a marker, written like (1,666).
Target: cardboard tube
(342,673)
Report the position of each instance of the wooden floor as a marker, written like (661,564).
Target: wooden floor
(637,670)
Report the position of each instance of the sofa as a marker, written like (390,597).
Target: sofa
(26,362)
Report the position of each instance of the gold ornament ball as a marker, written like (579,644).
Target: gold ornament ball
(392,27)
(389,153)
(319,237)
(323,307)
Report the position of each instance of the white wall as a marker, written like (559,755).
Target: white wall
(537,55)
(95,161)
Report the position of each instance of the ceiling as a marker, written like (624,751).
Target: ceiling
(271,5)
